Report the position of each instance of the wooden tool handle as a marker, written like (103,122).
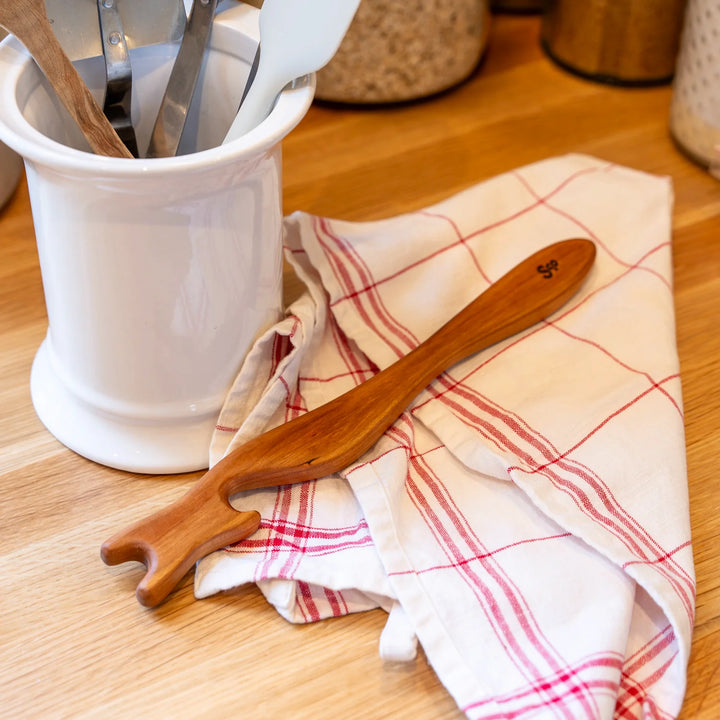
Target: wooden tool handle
(29,23)
(78,99)
(319,443)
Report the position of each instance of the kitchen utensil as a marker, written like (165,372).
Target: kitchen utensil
(118,73)
(124,24)
(26,19)
(251,74)
(158,274)
(296,38)
(171,117)
(146,22)
(320,442)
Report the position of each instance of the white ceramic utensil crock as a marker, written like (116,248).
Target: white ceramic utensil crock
(158,274)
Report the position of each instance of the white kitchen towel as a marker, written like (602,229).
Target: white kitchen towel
(526,518)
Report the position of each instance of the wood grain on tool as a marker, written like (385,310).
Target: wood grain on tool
(321,442)
(26,19)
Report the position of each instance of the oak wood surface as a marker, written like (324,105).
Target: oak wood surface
(75,643)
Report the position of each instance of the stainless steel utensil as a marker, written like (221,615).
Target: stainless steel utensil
(173,111)
(118,73)
(27,20)
(146,22)
(251,74)
(90,28)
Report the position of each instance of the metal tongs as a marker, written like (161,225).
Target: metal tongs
(180,89)
(172,115)
(118,73)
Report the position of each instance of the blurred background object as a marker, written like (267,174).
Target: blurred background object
(517,6)
(10,164)
(627,42)
(695,107)
(397,51)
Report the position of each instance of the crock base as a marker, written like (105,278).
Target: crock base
(140,447)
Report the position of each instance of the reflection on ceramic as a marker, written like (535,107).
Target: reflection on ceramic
(158,274)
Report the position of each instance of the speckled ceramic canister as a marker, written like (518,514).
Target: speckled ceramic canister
(695,107)
(397,51)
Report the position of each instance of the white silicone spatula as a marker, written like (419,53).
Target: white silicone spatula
(297,37)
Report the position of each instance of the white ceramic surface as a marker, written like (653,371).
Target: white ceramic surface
(158,274)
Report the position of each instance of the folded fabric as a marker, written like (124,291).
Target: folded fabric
(526,518)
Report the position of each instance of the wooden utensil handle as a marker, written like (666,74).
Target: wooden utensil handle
(319,443)
(30,24)
(77,98)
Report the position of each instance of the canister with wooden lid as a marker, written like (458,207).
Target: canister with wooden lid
(396,51)
(629,42)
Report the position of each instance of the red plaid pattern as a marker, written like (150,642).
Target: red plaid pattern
(528,512)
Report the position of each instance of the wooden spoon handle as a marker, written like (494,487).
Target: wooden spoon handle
(329,438)
(30,25)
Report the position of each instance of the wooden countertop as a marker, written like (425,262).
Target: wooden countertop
(75,643)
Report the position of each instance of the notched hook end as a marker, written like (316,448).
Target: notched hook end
(172,540)
(123,548)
